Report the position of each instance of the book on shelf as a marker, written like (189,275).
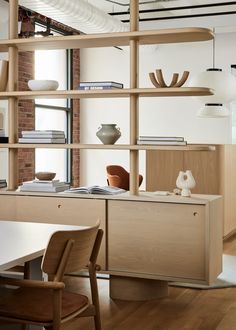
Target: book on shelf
(3,183)
(85,88)
(2,132)
(43,133)
(106,190)
(166,143)
(43,183)
(47,186)
(161,138)
(101,84)
(3,139)
(41,140)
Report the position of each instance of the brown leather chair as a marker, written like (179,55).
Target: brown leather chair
(48,303)
(117,176)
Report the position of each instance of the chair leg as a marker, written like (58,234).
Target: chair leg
(95,299)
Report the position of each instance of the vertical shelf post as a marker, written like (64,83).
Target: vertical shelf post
(12,102)
(134,99)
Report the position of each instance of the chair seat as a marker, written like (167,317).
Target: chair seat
(36,304)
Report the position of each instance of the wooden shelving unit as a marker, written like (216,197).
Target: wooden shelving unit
(190,147)
(133,39)
(108,39)
(126,92)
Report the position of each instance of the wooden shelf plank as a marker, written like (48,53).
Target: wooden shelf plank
(109,39)
(190,147)
(126,92)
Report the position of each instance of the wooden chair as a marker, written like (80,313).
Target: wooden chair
(117,176)
(48,303)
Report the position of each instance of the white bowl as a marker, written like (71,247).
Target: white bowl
(43,85)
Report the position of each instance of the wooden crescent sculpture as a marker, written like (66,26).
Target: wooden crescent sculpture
(159,82)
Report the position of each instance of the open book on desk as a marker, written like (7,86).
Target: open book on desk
(106,190)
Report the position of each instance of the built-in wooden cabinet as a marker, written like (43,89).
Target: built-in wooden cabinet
(214,173)
(147,236)
(169,240)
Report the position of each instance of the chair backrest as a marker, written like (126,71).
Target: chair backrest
(69,251)
(117,176)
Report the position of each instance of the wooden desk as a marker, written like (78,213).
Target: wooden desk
(24,241)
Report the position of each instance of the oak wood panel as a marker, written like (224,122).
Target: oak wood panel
(167,239)
(228,187)
(214,242)
(162,168)
(109,39)
(67,211)
(7,209)
(205,169)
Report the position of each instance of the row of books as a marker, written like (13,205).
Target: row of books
(99,85)
(42,136)
(3,137)
(59,186)
(162,140)
(3,183)
(44,186)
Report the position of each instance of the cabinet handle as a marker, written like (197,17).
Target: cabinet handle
(59,206)
(195,214)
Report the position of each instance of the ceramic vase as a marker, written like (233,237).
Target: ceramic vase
(185,181)
(108,133)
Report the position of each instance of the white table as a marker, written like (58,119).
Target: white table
(25,241)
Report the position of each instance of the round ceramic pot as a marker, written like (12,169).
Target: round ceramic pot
(108,133)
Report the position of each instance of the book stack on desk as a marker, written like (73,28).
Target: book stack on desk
(44,186)
(99,85)
(162,140)
(42,136)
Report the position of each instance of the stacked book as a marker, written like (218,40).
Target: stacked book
(40,136)
(162,140)
(3,183)
(100,85)
(3,137)
(44,186)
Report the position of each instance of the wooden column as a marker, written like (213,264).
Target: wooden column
(134,66)
(12,102)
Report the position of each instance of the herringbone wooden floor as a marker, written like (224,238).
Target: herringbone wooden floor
(182,309)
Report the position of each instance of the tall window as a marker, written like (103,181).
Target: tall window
(53,114)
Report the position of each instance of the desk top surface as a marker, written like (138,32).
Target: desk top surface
(24,241)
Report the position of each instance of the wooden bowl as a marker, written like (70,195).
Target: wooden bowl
(45,175)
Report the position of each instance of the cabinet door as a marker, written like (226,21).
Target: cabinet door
(68,211)
(162,239)
(7,207)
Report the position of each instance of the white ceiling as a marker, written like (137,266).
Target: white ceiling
(112,6)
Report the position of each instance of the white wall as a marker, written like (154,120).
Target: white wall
(158,116)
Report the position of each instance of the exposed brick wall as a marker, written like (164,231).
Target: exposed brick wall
(26,116)
(26,113)
(75,119)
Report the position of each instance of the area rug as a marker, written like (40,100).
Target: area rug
(225,280)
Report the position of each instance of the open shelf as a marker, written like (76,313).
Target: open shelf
(190,147)
(126,92)
(109,39)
